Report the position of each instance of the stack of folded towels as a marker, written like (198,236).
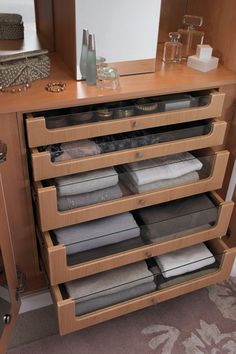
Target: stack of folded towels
(110,287)
(183,265)
(161,172)
(174,219)
(98,238)
(87,188)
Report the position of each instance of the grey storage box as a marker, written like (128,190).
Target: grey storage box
(11,26)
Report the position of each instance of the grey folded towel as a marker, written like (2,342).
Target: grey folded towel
(165,183)
(112,299)
(176,216)
(109,282)
(83,199)
(86,182)
(98,233)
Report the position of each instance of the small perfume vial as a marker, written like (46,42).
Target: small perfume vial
(190,35)
(173,49)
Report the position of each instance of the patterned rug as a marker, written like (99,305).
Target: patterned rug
(202,322)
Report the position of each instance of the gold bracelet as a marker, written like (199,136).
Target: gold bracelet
(15,89)
(56,87)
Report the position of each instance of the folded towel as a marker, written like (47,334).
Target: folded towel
(79,200)
(98,233)
(109,282)
(177,216)
(184,260)
(112,299)
(86,181)
(74,150)
(165,183)
(161,168)
(104,251)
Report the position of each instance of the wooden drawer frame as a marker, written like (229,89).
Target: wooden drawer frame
(68,322)
(39,135)
(58,271)
(43,168)
(50,218)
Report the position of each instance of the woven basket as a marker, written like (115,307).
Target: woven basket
(11,26)
(24,70)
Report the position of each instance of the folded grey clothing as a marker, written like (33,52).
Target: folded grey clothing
(97,233)
(100,302)
(184,260)
(149,234)
(162,168)
(172,182)
(83,199)
(104,251)
(109,282)
(185,133)
(163,283)
(86,182)
(177,216)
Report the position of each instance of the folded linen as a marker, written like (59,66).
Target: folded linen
(184,260)
(104,251)
(99,302)
(97,233)
(83,199)
(161,168)
(171,182)
(177,216)
(86,182)
(109,282)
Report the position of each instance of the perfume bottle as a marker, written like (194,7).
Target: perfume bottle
(190,35)
(84,53)
(173,49)
(91,69)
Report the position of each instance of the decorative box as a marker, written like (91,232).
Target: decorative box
(11,26)
(21,68)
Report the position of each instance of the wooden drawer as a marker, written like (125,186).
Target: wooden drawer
(58,270)
(69,322)
(50,218)
(38,134)
(44,168)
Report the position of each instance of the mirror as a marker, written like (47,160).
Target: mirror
(126,32)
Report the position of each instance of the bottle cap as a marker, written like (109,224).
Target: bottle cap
(85,36)
(91,42)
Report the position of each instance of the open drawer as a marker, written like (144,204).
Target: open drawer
(62,267)
(67,307)
(86,123)
(60,162)
(50,217)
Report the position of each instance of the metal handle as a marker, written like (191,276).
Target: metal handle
(139,155)
(7,319)
(135,125)
(3,152)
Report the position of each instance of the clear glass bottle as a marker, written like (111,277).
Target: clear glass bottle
(173,49)
(91,69)
(84,53)
(190,35)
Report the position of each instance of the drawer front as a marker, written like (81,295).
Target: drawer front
(69,322)
(59,271)
(43,168)
(50,218)
(39,135)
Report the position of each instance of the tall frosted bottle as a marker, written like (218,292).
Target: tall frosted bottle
(84,53)
(91,69)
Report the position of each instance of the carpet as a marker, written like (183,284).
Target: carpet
(200,322)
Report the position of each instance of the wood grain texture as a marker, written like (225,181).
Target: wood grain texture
(44,23)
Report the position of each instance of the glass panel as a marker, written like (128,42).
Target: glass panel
(87,188)
(146,226)
(122,109)
(123,141)
(5,303)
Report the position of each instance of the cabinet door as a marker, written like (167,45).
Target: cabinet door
(9,299)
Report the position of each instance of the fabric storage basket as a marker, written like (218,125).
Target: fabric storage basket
(18,69)
(11,26)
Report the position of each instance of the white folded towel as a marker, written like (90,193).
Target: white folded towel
(184,260)
(166,167)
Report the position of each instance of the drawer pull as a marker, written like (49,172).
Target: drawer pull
(141,202)
(135,125)
(148,254)
(139,155)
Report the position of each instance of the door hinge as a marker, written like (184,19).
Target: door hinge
(21,280)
